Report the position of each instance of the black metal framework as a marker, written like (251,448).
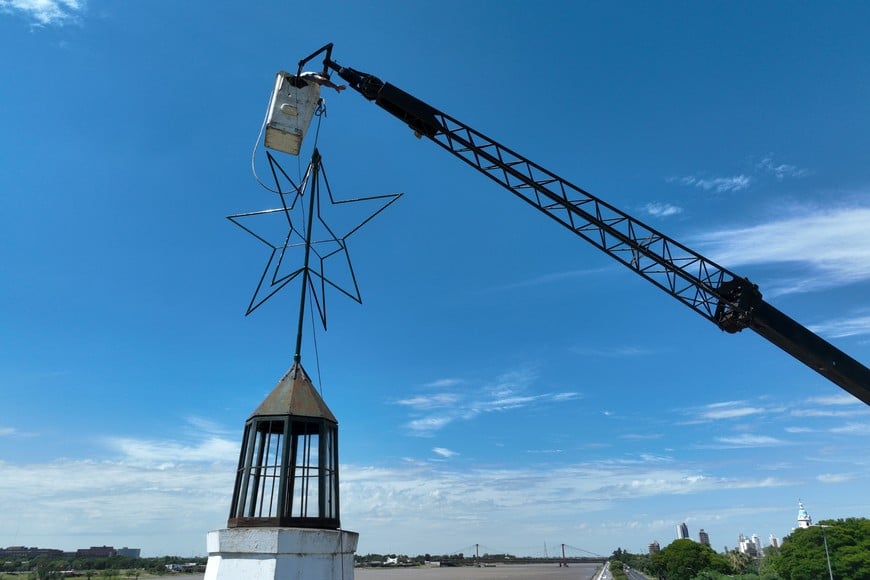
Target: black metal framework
(302,219)
(731,302)
(287,474)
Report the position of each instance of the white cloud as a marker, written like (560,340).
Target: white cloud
(553,278)
(444,452)
(430,401)
(718,184)
(616,351)
(662,209)
(641,436)
(748,440)
(833,245)
(826,413)
(443,383)
(834,477)
(782,170)
(7,431)
(853,429)
(843,327)
(210,449)
(493,503)
(841,399)
(732,413)
(164,510)
(45,12)
(799,430)
(432,412)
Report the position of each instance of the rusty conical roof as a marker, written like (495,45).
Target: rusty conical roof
(295,395)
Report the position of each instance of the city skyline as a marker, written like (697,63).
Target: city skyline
(503,381)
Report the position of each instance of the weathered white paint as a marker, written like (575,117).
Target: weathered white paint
(280,553)
(290,113)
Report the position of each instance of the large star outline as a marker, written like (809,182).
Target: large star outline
(297,235)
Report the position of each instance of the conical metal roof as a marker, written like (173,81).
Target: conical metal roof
(294,395)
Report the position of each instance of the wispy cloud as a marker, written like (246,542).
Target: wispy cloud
(842,399)
(844,327)
(732,413)
(166,453)
(616,351)
(641,436)
(436,401)
(444,452)
(853,429)
(781,170)
(662,209)
(799,430)
(733,183)
(546,279)
(833,245)
(724,410)
(432,412)
(443,383)
(45,12)
(748,440)
(827,412)
(834,477)
(491,502)
(7,431)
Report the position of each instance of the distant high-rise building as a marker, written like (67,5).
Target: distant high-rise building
(774,541)
(746,546)
(654,547)
(682,531)
(704,537)
(129,552)
(804,520)
(757,541)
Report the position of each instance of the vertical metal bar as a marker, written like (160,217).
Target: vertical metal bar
(256,468)
(321,470)
(294,457)
(267,436)
(283,471)
(335,487)
(314,192)
(305,476)
(242,474)
(274,467)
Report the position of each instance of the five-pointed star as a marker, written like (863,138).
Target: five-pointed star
(306,232)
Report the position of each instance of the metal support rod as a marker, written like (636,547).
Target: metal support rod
(315,168)
(827,554)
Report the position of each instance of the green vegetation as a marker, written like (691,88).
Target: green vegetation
(617,570)
(113,568)
(801,557)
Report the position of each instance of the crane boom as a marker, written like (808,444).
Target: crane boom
(731,302)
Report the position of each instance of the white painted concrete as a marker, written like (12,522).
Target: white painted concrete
(280,554)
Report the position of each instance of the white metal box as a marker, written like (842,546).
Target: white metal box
(290,111)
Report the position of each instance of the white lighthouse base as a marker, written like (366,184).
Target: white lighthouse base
(280,553)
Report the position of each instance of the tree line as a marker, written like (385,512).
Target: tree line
(45,567)
(802,556)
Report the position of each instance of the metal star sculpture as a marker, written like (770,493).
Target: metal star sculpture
(306,231)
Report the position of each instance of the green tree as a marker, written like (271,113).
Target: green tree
(802,555)
(686,559)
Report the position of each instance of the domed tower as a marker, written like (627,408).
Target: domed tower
(804,520)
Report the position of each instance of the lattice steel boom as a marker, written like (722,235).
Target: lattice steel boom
(728,300)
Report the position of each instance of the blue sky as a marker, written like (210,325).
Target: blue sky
(503,383)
